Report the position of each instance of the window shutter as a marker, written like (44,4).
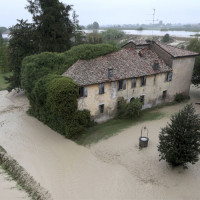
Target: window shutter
(166,76)
(124,84)
(170,76)
(145,80)
(85,91)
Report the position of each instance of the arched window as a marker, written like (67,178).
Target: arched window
(132,99)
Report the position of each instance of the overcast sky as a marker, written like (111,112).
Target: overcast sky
(113,11)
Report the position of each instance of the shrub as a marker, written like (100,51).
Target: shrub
(112,34)
(129,110)
(94,38)
(166,38)
(134,108)
(83,117)
(39,93)
(74,130)
(179,141)
(179,97)
(53,98)
(62,97)
(121,108)
(89,51)
(36,66)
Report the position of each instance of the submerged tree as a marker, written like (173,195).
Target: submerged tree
(180,140)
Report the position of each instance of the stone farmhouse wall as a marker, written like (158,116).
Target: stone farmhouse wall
(182,75)
(162,54)
(152,91)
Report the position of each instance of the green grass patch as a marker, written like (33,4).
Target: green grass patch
(114,126)
(3,84)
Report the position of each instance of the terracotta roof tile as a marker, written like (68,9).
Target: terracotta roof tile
(126,63)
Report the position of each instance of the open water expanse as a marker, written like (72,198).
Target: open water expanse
(148,32)
(157,32)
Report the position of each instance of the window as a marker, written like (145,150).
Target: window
(83,91)
(110,72)
(168,76)
(164,95)
(142,99)
(143,80)
(101,108)
(132,99)
(156,65)
(122,85)
(133,83)
(101,88)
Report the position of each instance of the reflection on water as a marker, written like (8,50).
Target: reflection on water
(157,32)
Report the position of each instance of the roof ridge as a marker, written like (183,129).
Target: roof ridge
(160,44)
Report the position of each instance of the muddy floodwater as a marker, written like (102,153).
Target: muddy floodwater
(113,169)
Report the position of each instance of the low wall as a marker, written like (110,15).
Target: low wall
(22,177)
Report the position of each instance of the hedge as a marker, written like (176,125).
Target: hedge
(53,98)
(36,66)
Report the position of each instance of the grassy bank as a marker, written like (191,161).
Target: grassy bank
(3,84)
(114,126)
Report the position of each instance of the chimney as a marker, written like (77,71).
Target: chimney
(140,53)
(110,72)
(155,65)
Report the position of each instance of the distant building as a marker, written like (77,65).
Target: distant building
(152,71)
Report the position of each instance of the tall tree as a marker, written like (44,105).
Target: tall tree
(22,43)
(95,25)
(77,30)
(53,26)
(50,31)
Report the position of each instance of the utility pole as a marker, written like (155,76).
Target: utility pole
(154,12)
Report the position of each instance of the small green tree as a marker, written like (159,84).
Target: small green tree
(129,110)
(94,38)
(166,38)
(112,34)
(121,108)
(179,141)
(134,108)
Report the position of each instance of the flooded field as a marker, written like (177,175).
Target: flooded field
(113,169)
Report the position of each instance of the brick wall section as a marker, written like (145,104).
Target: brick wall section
(162,54)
